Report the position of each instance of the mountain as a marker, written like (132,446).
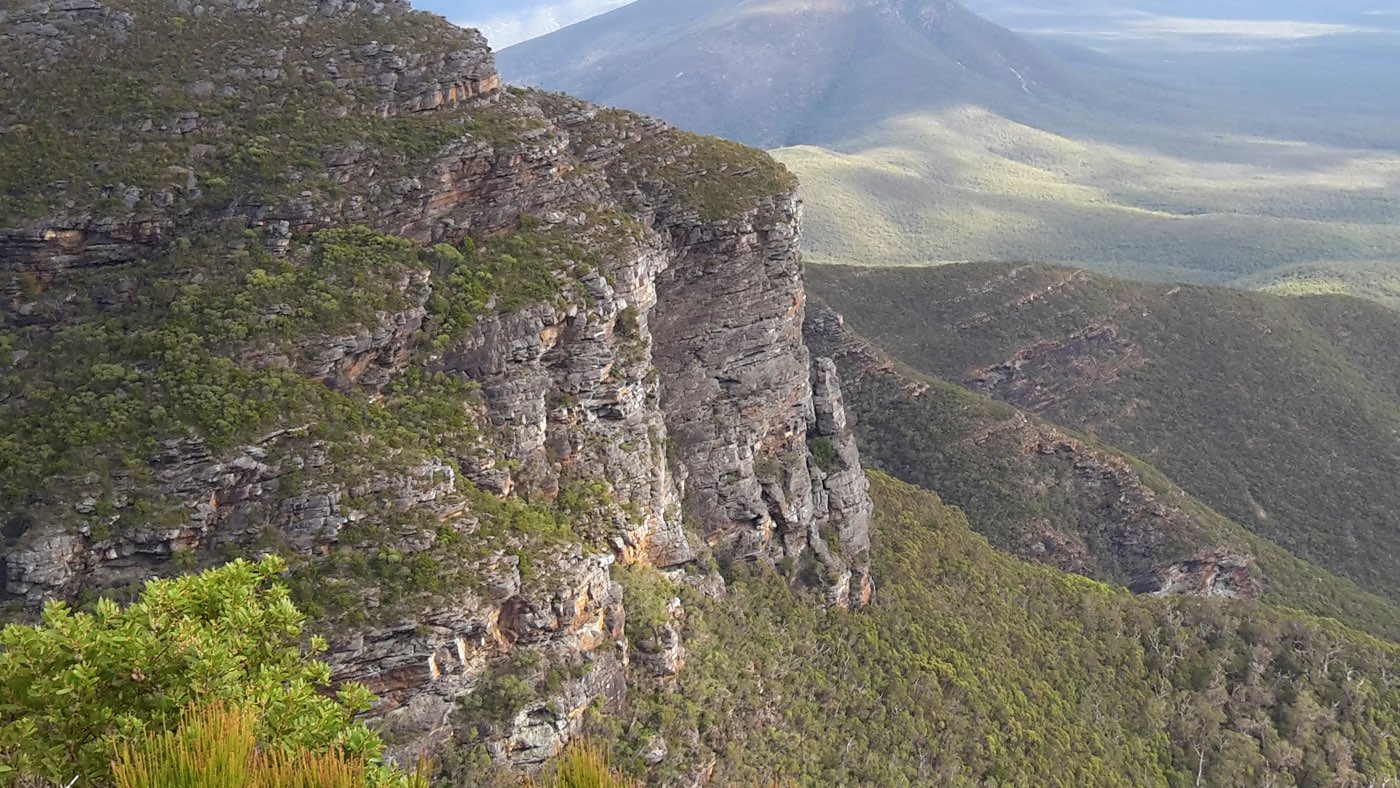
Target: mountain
(1020,16)
(1055,496)
(924,134)
(1280,413)
(520,390)
(976,668)
(773,72)
(302,277)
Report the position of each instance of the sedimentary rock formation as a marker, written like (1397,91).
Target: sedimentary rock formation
(653,395)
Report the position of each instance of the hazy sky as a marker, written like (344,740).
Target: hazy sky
(506,22)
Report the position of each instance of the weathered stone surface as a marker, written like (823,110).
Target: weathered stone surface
(401,77)
(1217,572)
(669,378)
(419,669)
(223,501)
(738,396)
(371,356)
(662,656)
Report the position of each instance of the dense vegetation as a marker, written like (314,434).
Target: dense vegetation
(1280,413)
(1055,506)
(129,384)
(191,124)
(81,690)
(964,184)
(973,667)
(219,360)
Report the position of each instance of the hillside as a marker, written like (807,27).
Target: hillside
(968,185)
(513,393)
(976,668)
(302,278)
(1061,498)
(924,134)
(1280,413)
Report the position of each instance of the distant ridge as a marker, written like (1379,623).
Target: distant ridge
(778,72)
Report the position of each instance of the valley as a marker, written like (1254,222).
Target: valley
(1130,140)
(1030,416)
(1280,413)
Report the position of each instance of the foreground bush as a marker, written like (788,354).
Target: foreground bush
(216,747)
(582,765)
(78,687)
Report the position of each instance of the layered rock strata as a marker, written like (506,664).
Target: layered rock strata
(662,397)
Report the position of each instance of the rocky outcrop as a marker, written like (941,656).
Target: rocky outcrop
(422,668)
(573,398)
(653,403)
(739,399)
(1217,572)
(379,57)
(214,501)
(1050,372)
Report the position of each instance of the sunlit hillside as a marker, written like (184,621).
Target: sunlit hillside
(966,184)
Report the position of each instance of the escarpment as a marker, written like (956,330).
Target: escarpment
(302,277)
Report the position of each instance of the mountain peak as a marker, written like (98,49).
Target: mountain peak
(772,72)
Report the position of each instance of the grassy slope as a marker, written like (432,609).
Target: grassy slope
(975,668)
(1282,414)
(1378,282)
(966,184)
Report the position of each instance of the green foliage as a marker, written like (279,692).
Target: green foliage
(717,178)
(583,764)
(942,186)
(647,597)
(498,276)
(1379,282)
(970,449)
(262,140)
(629,322)
(721,178)
(1279,413)
(110,388)
(217,747)
(824,452)
(497,698)
(78,685)
(973,668)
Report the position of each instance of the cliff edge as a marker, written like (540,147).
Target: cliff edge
(301,276)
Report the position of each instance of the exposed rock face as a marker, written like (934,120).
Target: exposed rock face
(740,401)
(666,381)
(1091,358)
(420,669)
(1114,525)
(573,398)
(1220,573)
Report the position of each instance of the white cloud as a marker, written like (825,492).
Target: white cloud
(502,30)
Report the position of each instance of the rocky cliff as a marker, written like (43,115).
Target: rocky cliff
(300,276)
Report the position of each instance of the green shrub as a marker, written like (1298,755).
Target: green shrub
(647,596)
(824,452)
(77,686)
